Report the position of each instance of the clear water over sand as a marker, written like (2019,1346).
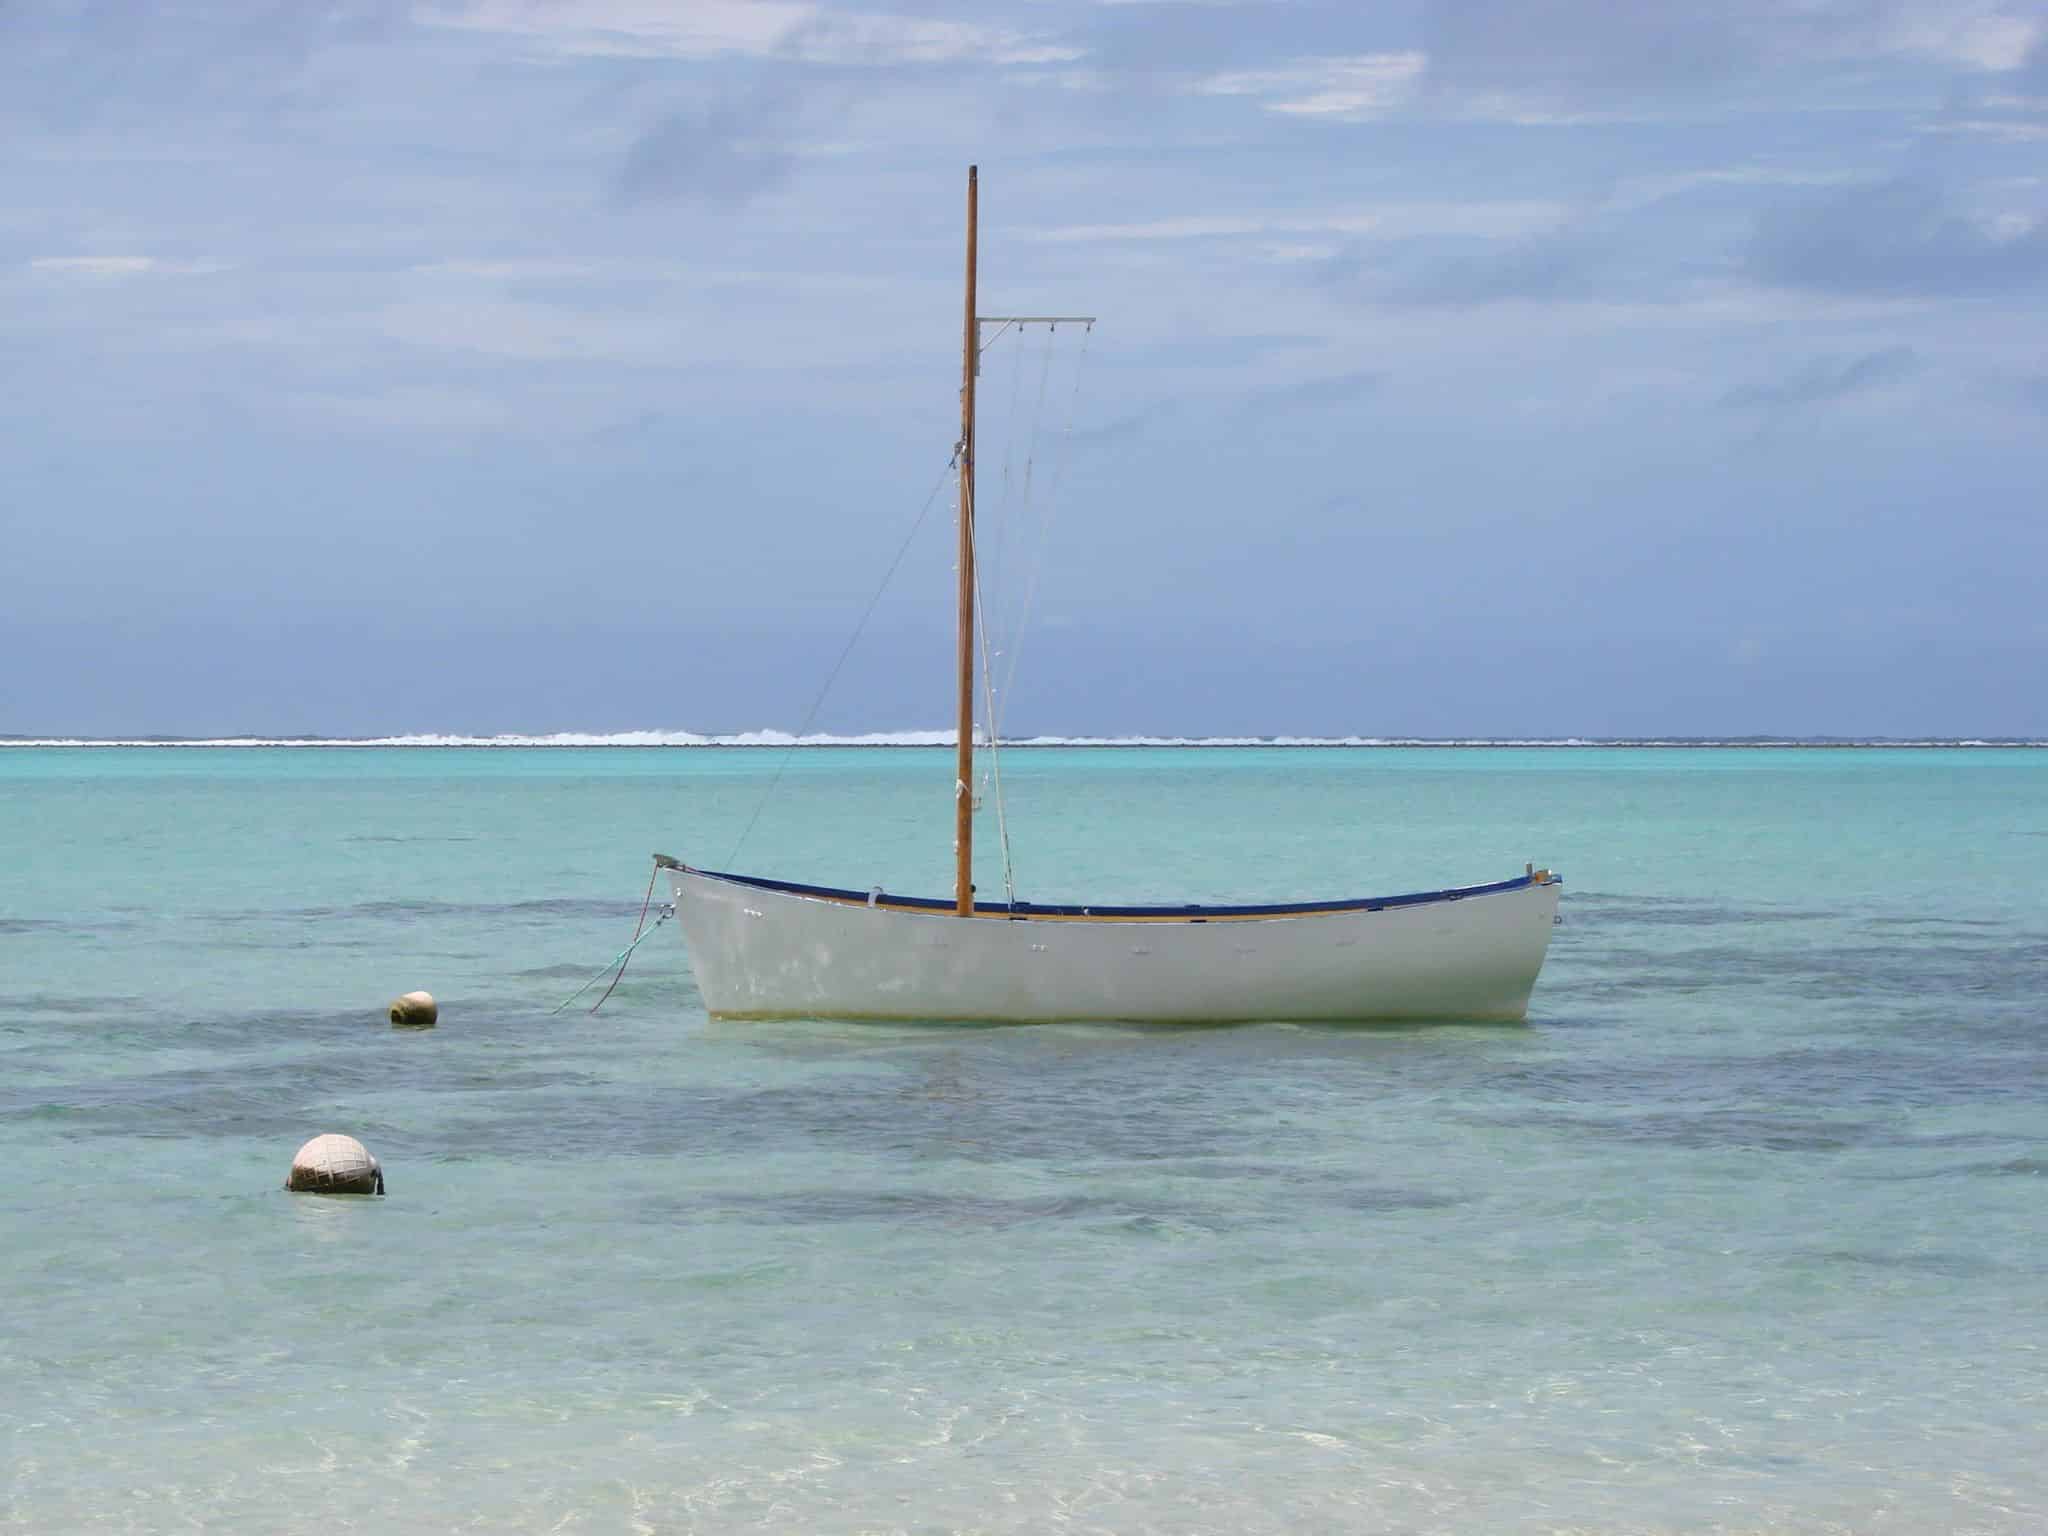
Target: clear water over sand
(1741,1232)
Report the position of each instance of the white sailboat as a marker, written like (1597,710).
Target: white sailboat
(774,949)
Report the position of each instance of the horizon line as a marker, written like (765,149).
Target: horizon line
(670,740)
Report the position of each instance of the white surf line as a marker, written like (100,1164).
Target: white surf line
(782,739)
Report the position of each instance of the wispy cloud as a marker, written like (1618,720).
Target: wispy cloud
(413,408)
(1475,217)
(507,271)
(1643,191)
(524,332)
(1521,59)
(1559,264)
(1827,379)
(1349,88)
(2009,130)
(1584,45)
(1973,34)
(119,266)
(1193,227)
(1311,394)
(1899,237)
(705,29)
(722,151)
(94,266)
(712,29)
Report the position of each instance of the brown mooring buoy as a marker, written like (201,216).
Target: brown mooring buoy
(415,1010)
(335,1165)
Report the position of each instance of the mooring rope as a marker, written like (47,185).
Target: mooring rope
(641,932)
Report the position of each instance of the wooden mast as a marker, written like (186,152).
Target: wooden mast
(963,788)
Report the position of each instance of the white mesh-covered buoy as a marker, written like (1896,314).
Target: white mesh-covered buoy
(335,1165)
(415,1010)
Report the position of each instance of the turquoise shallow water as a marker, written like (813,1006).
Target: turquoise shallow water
(1742,1232)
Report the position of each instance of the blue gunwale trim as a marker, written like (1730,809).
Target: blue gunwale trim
(1191,911)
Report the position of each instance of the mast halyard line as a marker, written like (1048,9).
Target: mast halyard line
(963,778)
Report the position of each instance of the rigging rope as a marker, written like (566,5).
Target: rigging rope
(1059,471)
(1012,625)
(1037,416)
(1002,518)
(995,759)
(996,701)
(833,676)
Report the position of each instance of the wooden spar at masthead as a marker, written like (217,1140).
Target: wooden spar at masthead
(963,786)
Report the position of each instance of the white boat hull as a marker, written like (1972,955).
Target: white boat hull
(766,953)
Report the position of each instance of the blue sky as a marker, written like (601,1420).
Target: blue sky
(1464,366)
